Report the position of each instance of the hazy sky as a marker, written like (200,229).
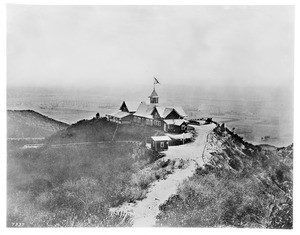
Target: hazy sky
(96,45)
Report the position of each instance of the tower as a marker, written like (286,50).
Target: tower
(153,97)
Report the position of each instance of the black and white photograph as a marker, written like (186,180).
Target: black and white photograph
(149,116)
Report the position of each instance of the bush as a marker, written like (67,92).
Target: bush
(219,197)
(65,186)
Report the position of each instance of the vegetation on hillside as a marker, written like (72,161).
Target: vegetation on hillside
(30,124)
(241,186)
(77,185)
(96,130)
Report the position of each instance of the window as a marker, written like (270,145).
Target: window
(162,144)
(158,123)
(183,127)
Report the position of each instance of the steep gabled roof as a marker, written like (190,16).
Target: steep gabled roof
(165,111)
(144,110)
(159,109)
(153,94)
(180,111)
(132,106)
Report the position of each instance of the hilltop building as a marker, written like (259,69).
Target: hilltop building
(168,118)
(160,143)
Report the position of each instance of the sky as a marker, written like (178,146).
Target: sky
(92,46)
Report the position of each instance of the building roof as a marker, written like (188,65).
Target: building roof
(180,136)
(119,114)
(160,110)
(161,138)
(145,110)
(165,111)
(132,106)
(153,94)
(180,111)
(176,122)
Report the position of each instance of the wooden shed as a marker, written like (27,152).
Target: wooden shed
(175,125)
(160,143)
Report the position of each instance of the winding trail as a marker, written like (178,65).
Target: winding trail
(145,211)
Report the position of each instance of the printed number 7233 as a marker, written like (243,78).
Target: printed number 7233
(17,224)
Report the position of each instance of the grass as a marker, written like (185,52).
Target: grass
(241,187)
(56,181)
(76,185)
(96,130)
(28,123)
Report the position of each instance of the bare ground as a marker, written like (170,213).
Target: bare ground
(145,211)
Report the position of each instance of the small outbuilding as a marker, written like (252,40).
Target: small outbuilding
(160,143)
(175,125)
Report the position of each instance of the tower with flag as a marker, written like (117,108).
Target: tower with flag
(154,96)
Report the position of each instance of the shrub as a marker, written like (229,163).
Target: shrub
(220,197)
(64,186)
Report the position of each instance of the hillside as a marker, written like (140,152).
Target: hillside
(219,180)
(76,185)
(240,185)
(97,130)
(30,124)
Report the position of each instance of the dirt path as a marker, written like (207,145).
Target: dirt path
(192,151)
(145,211)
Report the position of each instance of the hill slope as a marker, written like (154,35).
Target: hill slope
(76,185)
(96,130)
(241,185)
(30,124)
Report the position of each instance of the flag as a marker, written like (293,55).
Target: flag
(156,81)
